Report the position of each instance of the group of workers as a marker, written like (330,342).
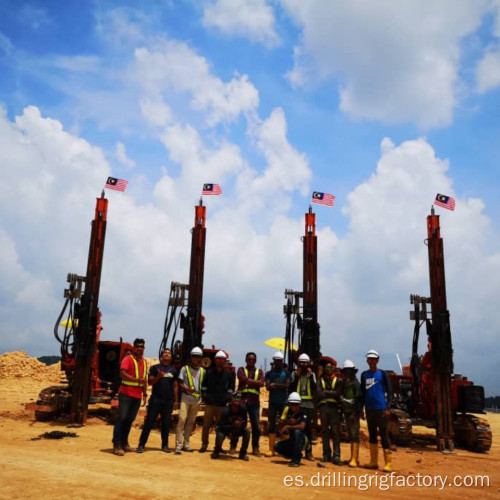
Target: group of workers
(295,398)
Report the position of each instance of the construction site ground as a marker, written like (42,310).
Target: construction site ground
(84,467)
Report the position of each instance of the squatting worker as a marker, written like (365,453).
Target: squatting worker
(377,396)
(190,383)
(133,371)
(277,380)
(163,399)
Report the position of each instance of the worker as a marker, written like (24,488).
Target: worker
(303,381)
(133,388)
(330,389)
(218,385)
(294,422)
(233,425)
(164,398)
(352,407)
(190,383)
(250,380)
(377,396)
(277,381)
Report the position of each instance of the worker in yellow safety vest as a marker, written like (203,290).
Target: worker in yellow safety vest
(190,383)
(330,390)
(250,380)
(133,371)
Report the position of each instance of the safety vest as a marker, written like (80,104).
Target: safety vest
(191,383)
(308,394)
(330,399)
(256,377)
(136,366)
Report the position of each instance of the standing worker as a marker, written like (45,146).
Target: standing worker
(134,386)
(190,383)
(218,386)
(377,396)
(251,379)
(303,381)
(329,392)
(165,395)
(352,403)
(277,381)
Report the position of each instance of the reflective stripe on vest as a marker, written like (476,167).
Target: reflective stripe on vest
(191,383)
(256,377)
(330,399)
(136,366)
(308,395)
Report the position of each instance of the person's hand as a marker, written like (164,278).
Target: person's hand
(238,423)
(363,416)
(144,399)
(176,405)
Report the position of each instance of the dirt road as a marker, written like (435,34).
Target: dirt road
(84,467)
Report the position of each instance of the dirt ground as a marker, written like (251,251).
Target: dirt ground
(84,467)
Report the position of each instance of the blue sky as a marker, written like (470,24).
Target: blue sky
(383,104)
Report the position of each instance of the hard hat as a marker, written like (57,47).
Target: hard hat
(278,355)
(304,357)
(372,354)
(221,354)
(196,351)
(348,364)
(294,397)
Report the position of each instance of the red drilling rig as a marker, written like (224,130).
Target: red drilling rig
(91,366)
(428,392)
(184,310)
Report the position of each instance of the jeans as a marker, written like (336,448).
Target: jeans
(244,433)
(377,422)
(292,447)
(128,408)
(254,417)
(157,406)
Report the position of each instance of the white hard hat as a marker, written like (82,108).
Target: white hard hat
(278,355)
(372,353)
(304,357)
(221,354)
(196,351)
(294,397)
(348,364)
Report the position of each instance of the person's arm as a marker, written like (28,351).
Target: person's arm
(176,394)
(388,388)
(155,374)
(251,382)
(182,386)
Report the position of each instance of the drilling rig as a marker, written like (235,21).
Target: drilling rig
(91,366)
(428,392)
(306,302)
(184,309)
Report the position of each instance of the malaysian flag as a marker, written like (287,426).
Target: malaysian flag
(211,189)
(323,198)
(445,201)
(116,184)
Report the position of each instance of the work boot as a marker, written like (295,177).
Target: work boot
(140,449)
(326,457)
(117,450)
(166,449)
(188,448)
(178,450)
(215,454)
(203,448)
(354,462)
(272,441)
(336,455)
(388,461)
(232,450)
(256,452)
(309,456)
(243,456)
(373,457)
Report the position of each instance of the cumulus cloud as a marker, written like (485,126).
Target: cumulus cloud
(253,19)
(390,62)
(174,66)
(488,72)
(121,155)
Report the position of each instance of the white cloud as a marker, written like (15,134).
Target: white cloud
(121,155)
(155,111)
(391,62)
(173,66)
(253,19)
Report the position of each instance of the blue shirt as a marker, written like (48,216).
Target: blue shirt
(277,396)
(374,386)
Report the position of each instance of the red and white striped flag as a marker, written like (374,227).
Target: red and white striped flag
(116,184)
(323,198)
(211,189)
